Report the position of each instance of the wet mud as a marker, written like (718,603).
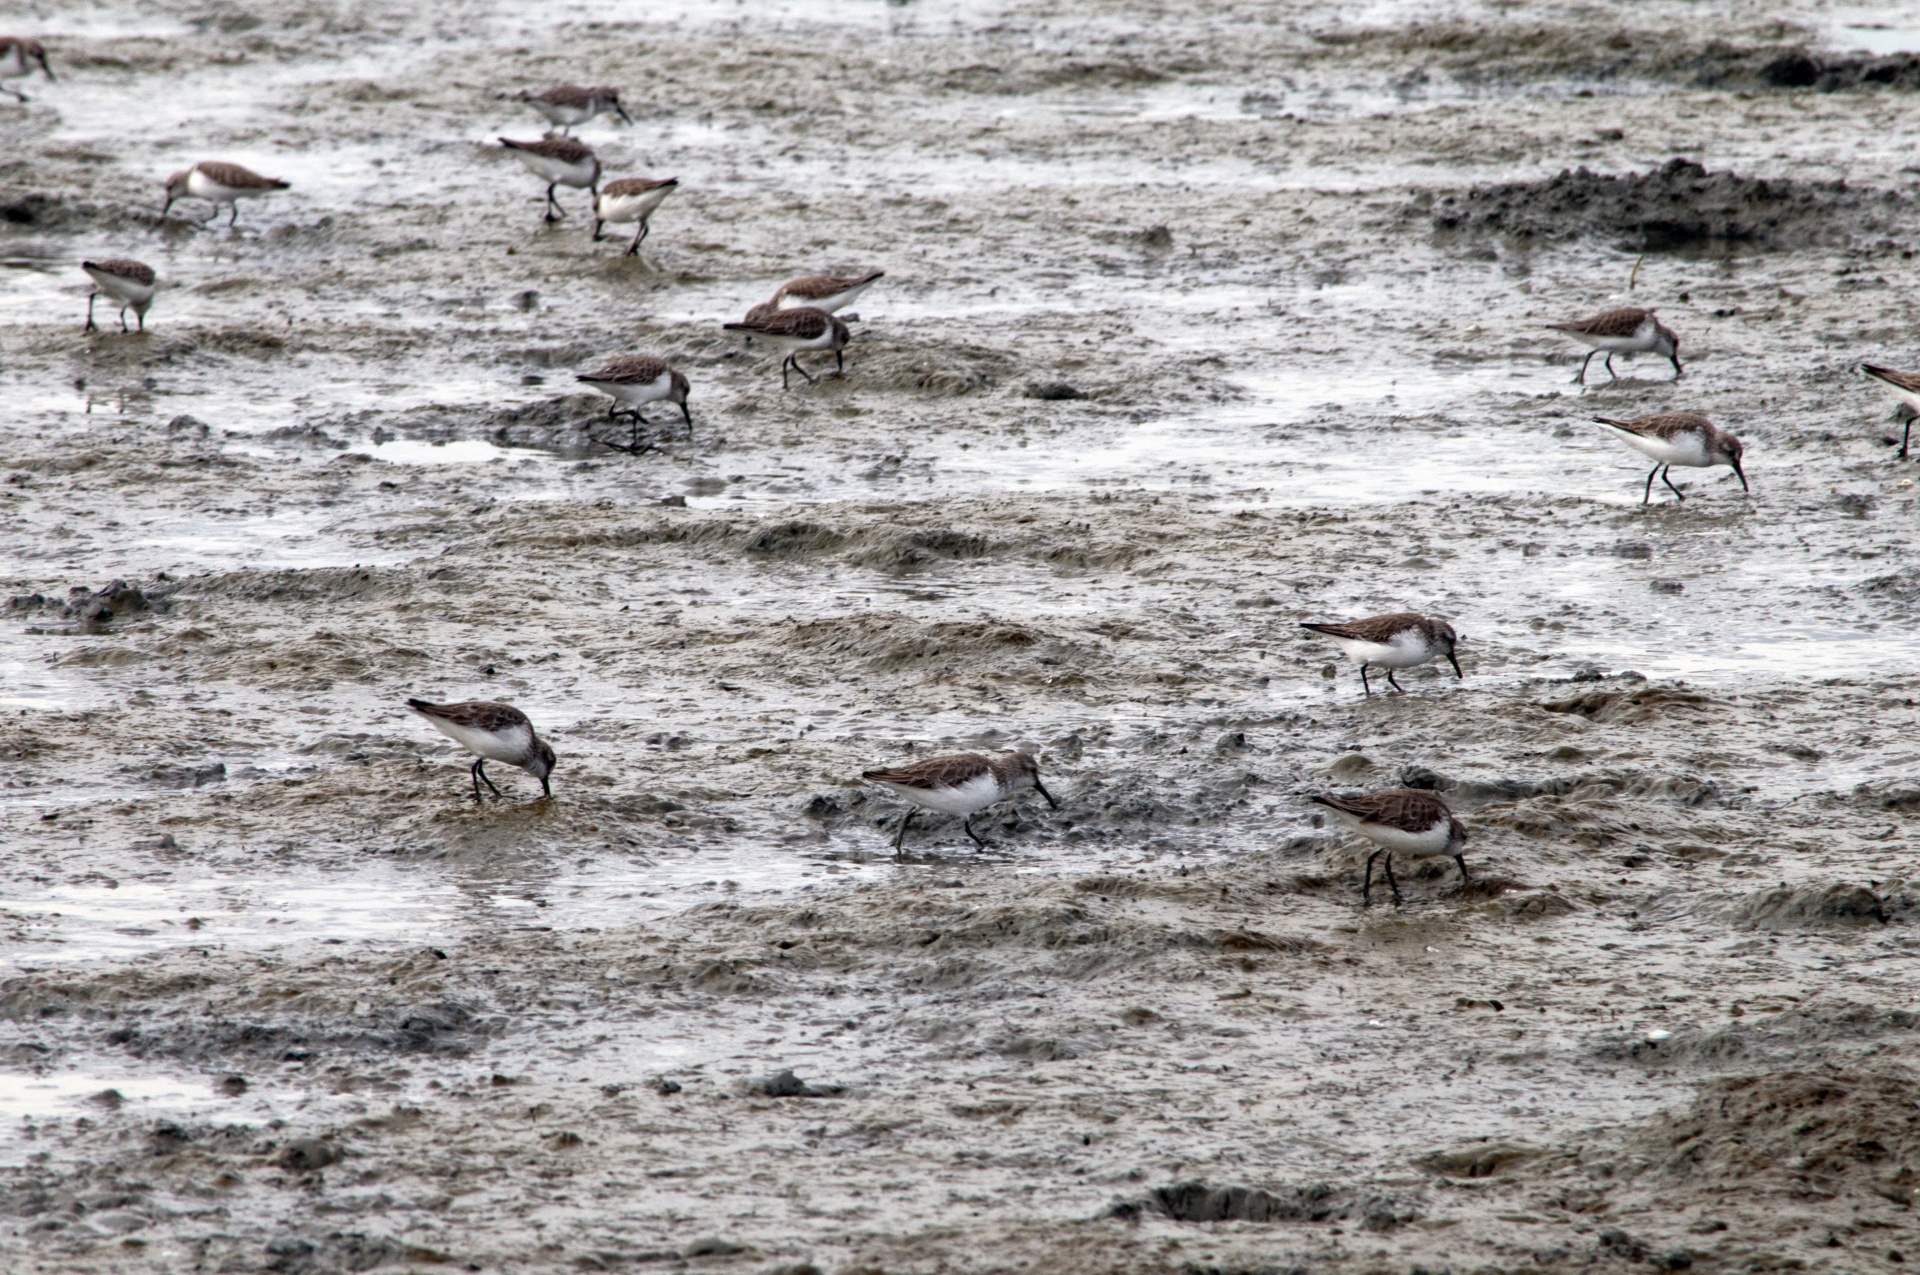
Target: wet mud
(1195,326)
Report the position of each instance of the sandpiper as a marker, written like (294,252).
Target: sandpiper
(1905,387)
(127,281)
(829,292)
(631,199)
(1409,821)
(1678,438)
(960,784)
(18,57)
(219,183)
(559,161)
(1403,639)
(1624,331)
(638,380)
(570,104)
(799,329)
(494,732)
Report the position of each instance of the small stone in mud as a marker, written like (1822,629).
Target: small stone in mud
(304,1155)
(1351,766)
(664,1085)
(1157,237)
(1053,391)
(528,300)
(232,1086)
(1667,586)
(111,1099)
(784,1084)
(184,424)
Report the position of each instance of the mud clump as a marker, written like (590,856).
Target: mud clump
(93,610)
(1799,69)
(1815,1134)
(1318,1202)
(1809,907)
(1679,205)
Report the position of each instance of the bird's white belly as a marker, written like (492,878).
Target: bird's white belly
(779,341)
(508,746)
(122,289)
(1635,344)
(1402,652)
(1908,397)
(1688,449)
(558,170)
(637,395)
(630,208)
(1415,845)
(203,187)
(565,116)
(974,795)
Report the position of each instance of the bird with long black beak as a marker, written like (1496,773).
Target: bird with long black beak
(1403,639)
(961,784)
(1628,330)
(1678,438)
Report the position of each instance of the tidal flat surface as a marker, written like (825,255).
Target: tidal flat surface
(277,994)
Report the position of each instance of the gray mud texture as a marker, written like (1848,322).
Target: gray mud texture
(1198,322)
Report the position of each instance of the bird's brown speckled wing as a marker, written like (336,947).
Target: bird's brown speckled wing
(1908,381)
(951,771)
(1377,628)
(803,322)
(1408,809)
(235,177)
(476,714)
(1622,322)
(636,369)
(564,149)
(124,268)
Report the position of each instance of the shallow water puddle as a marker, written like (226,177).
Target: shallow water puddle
(384,904)
(28,1097)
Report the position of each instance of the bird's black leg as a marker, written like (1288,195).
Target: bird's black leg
(688,417)
(901,839)
(1610,372)
(123,318)
(784,363)
(633,249)
(1366,882)
(233,216)
(92,326)
(1581,377)
(597,223)
(18,96)
(1391,883)
(839,363)
(1906,438)
(480,774)
(967,826)
(141,315)
(1647,499)
(1666,476)
(553,205)
(1395,685)
(1465,880)
(1363,680)
(811,378)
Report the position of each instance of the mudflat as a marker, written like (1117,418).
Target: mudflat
(1197,323)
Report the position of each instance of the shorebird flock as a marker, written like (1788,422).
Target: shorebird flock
(802,318)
